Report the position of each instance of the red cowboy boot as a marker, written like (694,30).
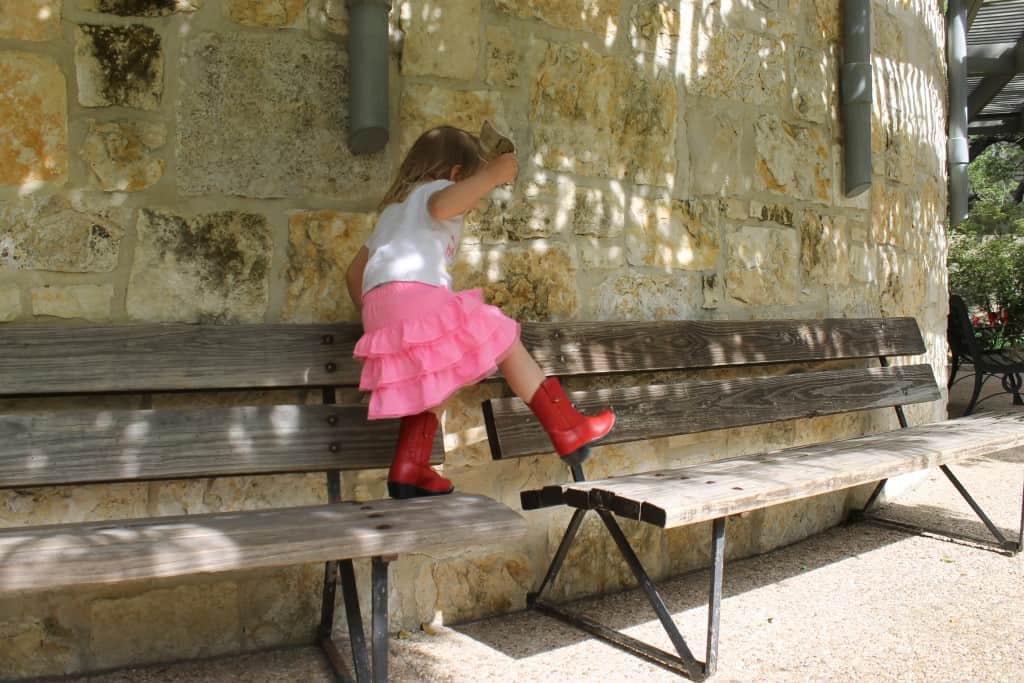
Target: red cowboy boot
(571,433)
(410,474)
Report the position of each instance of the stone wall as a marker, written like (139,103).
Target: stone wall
(185,160)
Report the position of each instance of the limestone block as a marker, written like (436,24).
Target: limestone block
(423,107)
(814,93)
(265,115)
(211,267)
(762,265)
(327,17)
(120,154)
(529,285)
(711,291)
(10,304)
(593,564)
(885,215)
(141,8)
(441,39)
(792,160)
(543,206)
(714,138)
(822,20)
(603,116)
(185,622)
(503,58)
(736,65)
(863,263)
(64,504)
(506,214)
(280,607)
(33,120)
(673,234)
(90,302)
(50,233)
(780,214)
(600,253)
(321,245)
(596,16)
(824,249)
(479,586)
(119,66)
(598,212)
(642,296)
(35,20)
(191,496)
(268,13)
(36,646)
(654,27)
(788,523)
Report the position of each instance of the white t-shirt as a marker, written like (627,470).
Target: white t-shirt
(407,245)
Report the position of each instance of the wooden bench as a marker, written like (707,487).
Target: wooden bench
(97,446)
(966,349)
(825,384)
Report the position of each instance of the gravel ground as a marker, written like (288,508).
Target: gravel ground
(856,603)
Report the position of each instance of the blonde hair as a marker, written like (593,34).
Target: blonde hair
(432,157)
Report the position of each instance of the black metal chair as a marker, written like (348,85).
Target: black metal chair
(966,349)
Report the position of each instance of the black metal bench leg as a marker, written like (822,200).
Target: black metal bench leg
(1013,382)
(559,558)
(354,618)
(379,580)
(979,379)
(1003,542)
(696,668)
(715,599)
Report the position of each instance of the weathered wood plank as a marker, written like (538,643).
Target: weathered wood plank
(586,348)
(661,410)
(675,497)
(44,557)
(77,447)
(43,360)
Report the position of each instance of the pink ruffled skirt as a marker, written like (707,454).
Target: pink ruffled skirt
(423,343)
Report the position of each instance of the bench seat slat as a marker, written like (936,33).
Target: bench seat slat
(587,348)
(77,447)
(663,410)
(145,358)
(675,497)
(45,557)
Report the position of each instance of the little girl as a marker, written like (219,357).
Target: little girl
(421,341)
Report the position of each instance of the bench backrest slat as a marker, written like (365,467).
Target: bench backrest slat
(137,358)
(606,347)
(647,412)
(77,447)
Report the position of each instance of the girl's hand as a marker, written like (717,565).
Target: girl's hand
(502,169)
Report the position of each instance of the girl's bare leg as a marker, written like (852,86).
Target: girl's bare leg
(521,371)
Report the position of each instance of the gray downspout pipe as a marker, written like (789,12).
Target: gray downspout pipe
(368,75)
(855,86)
(957,148)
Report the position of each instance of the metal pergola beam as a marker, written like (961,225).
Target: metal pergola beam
(995,59)
(989,87)
(972,11)
(997,125)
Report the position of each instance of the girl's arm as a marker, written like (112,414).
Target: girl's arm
(465,195)
(354,277)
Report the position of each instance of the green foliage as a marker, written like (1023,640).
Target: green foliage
(993,176)
(986,251)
